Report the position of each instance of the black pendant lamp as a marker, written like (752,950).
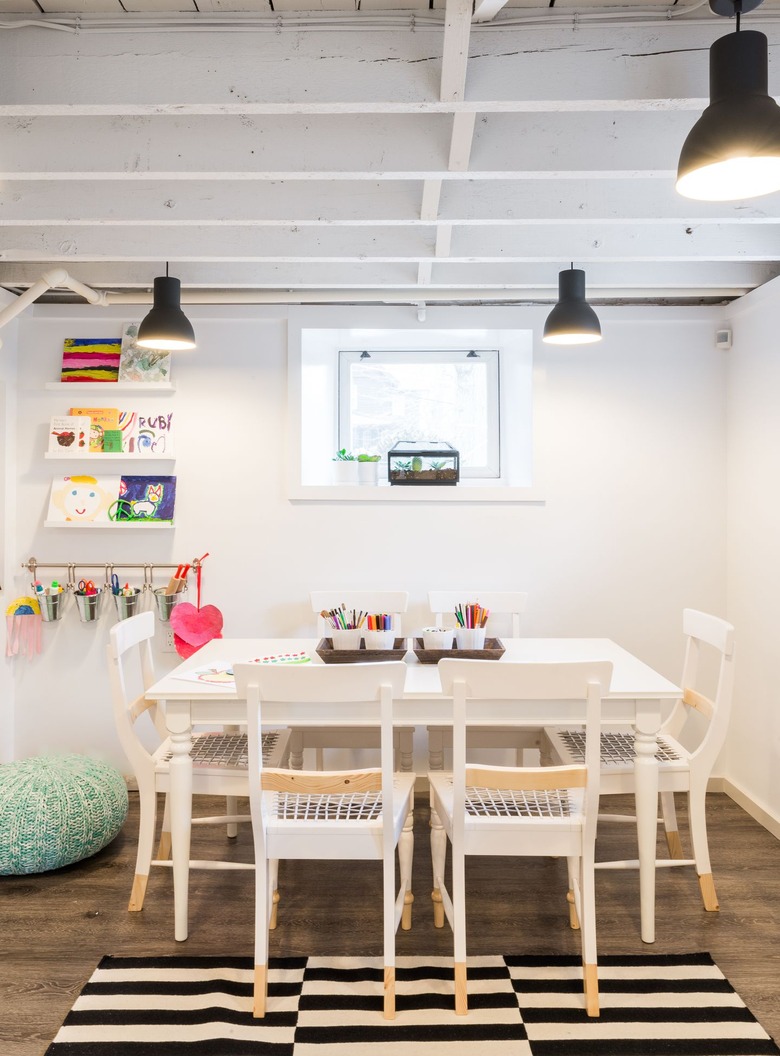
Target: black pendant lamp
(733,150)
(572,321)
(166,326)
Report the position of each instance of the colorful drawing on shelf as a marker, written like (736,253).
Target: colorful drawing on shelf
(142,364)
(69,434)
(101,418)
(155,434)
(128,424)
(82,498)
(144,498)
(90,359)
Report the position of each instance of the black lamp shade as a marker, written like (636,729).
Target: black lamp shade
(733,150)
(166,326)
(572,321)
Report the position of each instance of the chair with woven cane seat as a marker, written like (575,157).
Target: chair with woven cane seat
(518,811)
(509,604)
(393,602)
(681,769)
(219,760)
(357,815)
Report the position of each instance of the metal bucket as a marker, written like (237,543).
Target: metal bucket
(127,604)
(52,606)
(89,606)
(165,603)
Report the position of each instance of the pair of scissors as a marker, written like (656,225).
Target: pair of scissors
(86,586)
(115,589)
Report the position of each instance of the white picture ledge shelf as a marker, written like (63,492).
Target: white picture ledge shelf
(100,456)
(461,493)
(103,387)
(145,526)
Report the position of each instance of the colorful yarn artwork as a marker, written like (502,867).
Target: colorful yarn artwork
(90,359)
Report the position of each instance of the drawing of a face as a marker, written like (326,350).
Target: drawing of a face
(82,498)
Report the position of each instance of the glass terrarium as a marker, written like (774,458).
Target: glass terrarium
(423,462)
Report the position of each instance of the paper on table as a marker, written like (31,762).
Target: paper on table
(222,674)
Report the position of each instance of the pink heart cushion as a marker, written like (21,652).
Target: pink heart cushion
(192,627)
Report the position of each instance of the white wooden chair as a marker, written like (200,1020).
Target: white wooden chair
(519,811)
(394,602)
(220,760)
(357,815)
(506,604)
(680,769)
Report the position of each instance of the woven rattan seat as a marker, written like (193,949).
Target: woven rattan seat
(617,749)
(230,751)
(366,806)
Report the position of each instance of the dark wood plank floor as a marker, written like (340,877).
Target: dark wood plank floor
(55,927)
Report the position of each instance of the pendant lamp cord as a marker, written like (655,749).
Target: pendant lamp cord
(738,12)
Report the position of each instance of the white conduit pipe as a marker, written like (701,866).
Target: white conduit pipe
(58,277)
(415,296)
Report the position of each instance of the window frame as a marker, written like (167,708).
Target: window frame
(314,338)
(348,357)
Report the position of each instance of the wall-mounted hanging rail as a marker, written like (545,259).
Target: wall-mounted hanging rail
(149,567)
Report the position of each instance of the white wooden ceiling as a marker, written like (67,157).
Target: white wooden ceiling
(334,150)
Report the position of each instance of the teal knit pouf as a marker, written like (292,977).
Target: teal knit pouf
(56,810)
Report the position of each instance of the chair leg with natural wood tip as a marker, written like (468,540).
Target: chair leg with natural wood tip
(143,859)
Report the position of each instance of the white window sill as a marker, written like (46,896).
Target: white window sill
(462,492)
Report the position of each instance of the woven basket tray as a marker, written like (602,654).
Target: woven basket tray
(329,655)
(494,650)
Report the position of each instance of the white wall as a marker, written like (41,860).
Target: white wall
(754,549)
(7,523)
(632,438)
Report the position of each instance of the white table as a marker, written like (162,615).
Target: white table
(636,696)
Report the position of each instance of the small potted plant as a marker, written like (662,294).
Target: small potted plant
(368,468)
(345,467)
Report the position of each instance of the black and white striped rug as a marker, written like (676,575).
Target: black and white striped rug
(519,1006)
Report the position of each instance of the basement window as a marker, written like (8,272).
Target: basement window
(422,395)
(472,388)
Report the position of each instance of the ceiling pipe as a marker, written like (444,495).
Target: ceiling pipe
(412,295)
(58,278)
(54,279)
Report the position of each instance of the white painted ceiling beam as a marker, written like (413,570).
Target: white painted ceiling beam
(534,64)
(486,10)
(709,277)
(476,244)
(501,143)
(368,204)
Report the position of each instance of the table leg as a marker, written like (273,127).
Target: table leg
(435,748)
(180,798)
(646,796)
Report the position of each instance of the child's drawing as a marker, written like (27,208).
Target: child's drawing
(82,498)
(145,498)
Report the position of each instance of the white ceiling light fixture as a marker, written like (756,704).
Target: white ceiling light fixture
(733,150)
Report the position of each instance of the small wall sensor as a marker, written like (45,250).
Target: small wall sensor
(723,339)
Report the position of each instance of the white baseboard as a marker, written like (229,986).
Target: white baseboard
(760,814)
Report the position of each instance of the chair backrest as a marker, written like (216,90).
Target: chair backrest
(704,632)
(131,672)
(498,602)
(341,693)
(394,602)
(469,682)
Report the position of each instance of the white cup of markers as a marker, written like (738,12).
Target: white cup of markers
(470,626)
(378,631)
(344,627)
